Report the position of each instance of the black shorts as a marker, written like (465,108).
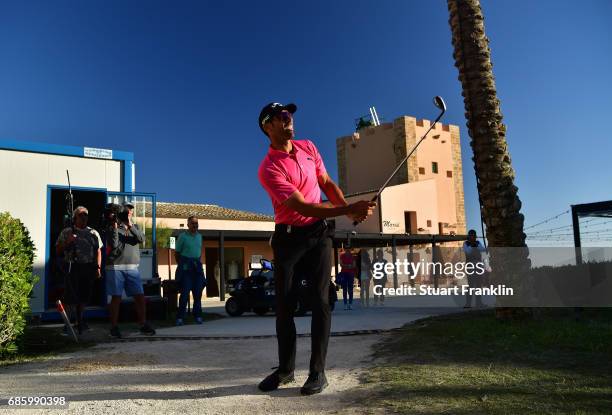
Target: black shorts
(78,284)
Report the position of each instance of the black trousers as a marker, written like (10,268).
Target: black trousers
(302,253)
(78,284)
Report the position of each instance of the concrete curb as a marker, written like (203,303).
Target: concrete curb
(264,336)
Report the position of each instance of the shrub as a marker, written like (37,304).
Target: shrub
(16,280)
(162,234)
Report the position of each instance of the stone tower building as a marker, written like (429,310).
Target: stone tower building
(426,195)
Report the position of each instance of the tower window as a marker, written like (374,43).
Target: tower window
(421,170)
(434,167)
(449,173)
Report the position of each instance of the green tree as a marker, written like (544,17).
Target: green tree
(162,235)
(16,280)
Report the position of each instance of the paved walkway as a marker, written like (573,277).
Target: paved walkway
(394,314)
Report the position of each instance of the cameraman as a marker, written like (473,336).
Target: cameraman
(81,247)
(473,254)
(122,273)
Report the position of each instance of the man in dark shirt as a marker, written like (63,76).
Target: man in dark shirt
(80,246)
(473,254)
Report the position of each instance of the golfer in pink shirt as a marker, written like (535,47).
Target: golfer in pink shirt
(294,174)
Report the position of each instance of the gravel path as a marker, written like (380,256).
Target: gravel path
(199,376)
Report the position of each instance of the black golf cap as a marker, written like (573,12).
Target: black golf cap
(271,110)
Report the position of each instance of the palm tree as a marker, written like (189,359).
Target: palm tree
(500,203)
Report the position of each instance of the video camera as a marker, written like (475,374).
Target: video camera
(113,213)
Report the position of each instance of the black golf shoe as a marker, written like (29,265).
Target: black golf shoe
(315,383)
(274,380)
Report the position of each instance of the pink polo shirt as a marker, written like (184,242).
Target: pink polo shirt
(282,174)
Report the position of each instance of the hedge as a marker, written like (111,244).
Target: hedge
(16,280)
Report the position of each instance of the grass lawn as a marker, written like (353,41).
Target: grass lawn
(471,363)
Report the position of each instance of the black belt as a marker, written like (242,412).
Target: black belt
(301,230)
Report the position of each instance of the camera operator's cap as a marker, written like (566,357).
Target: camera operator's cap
(271,110)
(128,205)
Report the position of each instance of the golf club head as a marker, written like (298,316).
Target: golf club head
(439,102)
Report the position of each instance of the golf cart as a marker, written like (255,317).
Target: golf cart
(256,293)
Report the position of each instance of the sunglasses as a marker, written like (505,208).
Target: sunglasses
(284,116)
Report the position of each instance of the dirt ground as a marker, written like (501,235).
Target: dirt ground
(189,376)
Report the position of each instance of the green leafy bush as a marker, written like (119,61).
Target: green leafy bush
(162,235)
(16,280)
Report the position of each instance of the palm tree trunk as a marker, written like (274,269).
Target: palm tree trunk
(495,176)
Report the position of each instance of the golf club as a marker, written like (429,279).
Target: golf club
(438,102)
(62,312)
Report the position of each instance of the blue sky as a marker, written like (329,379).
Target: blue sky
(181,84)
